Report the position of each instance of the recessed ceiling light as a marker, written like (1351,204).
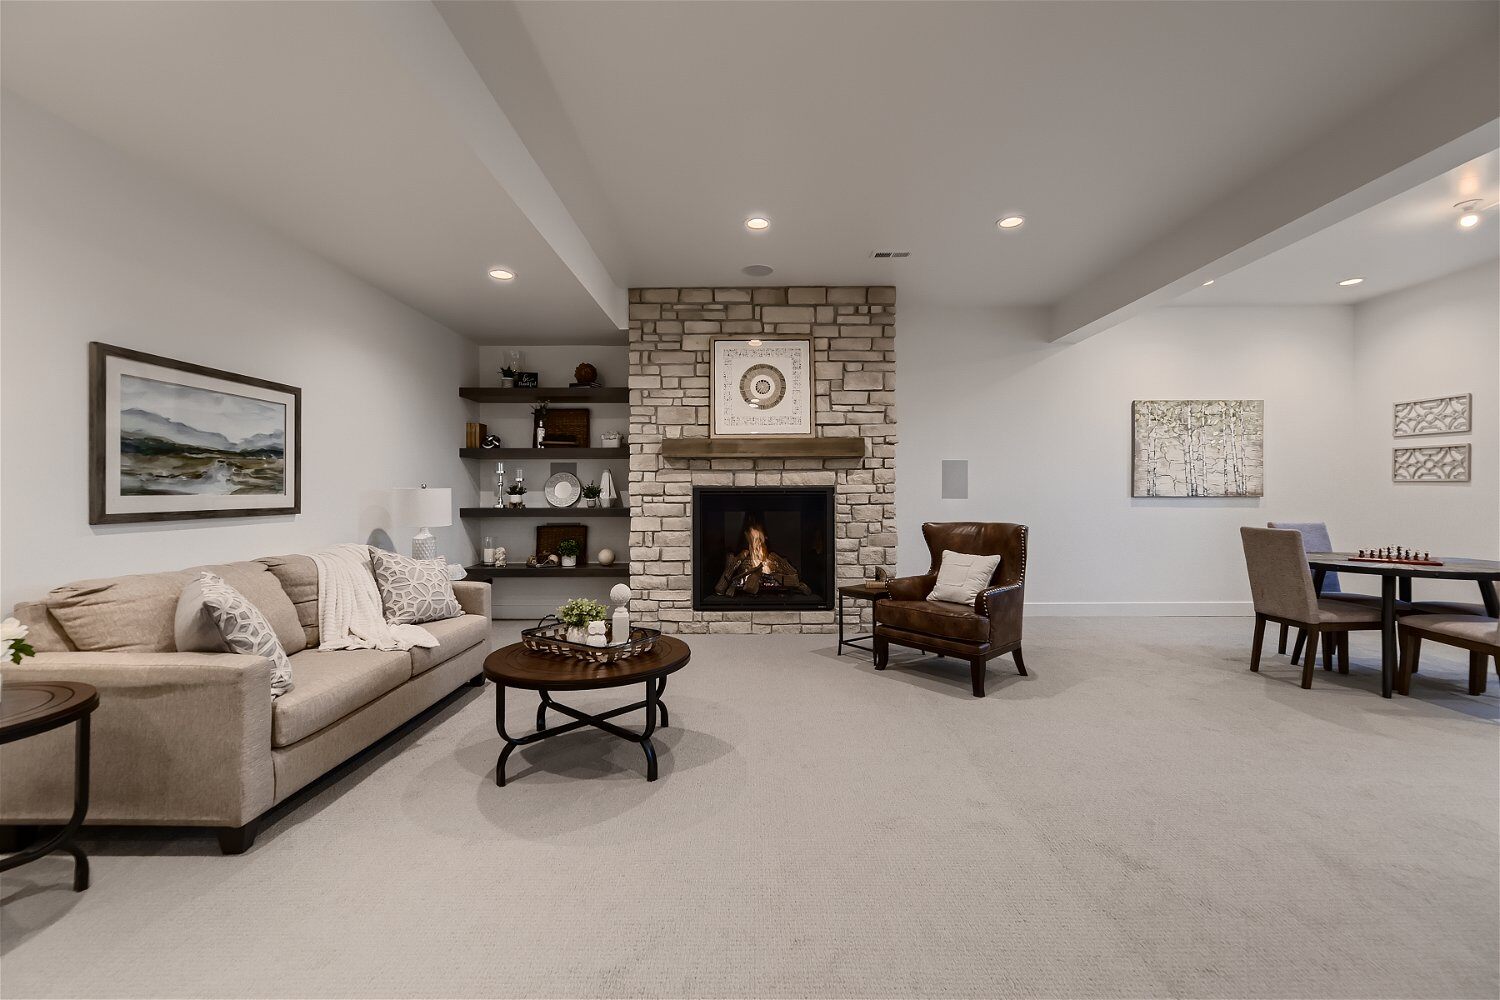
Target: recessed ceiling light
(754,343)
(1469,220)
(502,274)
(757,270)
(1350,281)
(1011,222)
(1210,281)
(757,223)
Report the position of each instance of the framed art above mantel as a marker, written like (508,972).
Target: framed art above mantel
(761,387)
(170,440)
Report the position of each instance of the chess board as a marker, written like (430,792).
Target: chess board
(1407,561)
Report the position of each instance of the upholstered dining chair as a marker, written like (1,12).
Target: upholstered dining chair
(1315,538)
(1476,633)
(1281,586)
(977,632)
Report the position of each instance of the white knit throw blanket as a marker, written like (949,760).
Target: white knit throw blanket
(350,615)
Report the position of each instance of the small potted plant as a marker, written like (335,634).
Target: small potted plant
(507,377)
(517,494)
(568,549)
(591,495)
(577,614)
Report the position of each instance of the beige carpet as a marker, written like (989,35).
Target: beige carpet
(1141,817)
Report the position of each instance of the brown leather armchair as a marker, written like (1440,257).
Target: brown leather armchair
(988,628)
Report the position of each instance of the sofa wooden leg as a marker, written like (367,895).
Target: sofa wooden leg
(1260,637)
(882,652)
(1020,663)
(16,837)
(976,675)
(237,839)
(476,682)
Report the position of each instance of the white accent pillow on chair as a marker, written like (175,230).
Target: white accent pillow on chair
(962,576)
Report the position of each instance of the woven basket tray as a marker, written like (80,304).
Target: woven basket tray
(548,535)
(568,422)
(552,639)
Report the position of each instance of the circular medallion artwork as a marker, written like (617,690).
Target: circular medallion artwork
(763,386)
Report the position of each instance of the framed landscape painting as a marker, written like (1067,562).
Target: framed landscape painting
(1198,448)
(170,440)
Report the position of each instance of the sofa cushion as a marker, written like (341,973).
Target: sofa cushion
(298,576)
(43,631)
(195,629)
(454,636)
(244,629)
(961,576)
(331,685)
(136,614)
(945,618)
(413,591)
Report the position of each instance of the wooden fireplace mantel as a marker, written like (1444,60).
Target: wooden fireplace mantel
(816,447)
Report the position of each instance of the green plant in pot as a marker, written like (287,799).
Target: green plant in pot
(517,494)
(591,495)
(568,550)
(578,612)
(507,377)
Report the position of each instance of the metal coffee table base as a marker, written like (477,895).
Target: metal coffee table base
(653,705)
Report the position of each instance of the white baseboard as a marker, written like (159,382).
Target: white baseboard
(1140,609)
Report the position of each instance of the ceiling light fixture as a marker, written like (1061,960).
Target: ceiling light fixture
(502,274)
(757,270)
(754,343)
(757,223)
(1470,213)
(1210,281)
(1348,282)
(1012,222)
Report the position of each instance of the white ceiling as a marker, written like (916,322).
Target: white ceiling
(1411,238)
(658,127)
(915,126)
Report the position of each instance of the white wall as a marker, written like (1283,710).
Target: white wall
(531,599)
(1046,429)
(99,247)
(1437,339)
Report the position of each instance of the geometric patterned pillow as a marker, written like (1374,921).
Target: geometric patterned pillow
(245,629)
(413,590)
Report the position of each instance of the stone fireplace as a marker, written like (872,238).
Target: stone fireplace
(763,548)
(676,581)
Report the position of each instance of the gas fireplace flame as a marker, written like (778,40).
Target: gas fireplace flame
(759,554)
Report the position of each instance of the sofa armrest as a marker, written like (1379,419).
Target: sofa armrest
(1003,607)
(473,596)
(911,588)
(177,739)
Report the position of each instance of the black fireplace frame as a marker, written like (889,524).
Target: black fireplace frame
(825,587)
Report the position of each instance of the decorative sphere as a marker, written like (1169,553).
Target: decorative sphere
(606,557)
(620,593)
(585,373)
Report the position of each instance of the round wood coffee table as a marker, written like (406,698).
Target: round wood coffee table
(27,709)
(518,667)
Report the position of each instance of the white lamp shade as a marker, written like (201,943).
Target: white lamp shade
(423,508)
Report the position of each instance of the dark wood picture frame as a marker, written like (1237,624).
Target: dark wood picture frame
(99,355)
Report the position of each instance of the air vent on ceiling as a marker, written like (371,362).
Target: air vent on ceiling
(888,254)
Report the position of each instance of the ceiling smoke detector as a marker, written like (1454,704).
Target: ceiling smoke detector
(888,254)
(757,270)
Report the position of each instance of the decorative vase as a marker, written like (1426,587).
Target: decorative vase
(507,383)
(591,501)
(578,633)
(569,561)
(517,502)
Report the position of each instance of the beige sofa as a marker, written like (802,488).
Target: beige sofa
(194,739)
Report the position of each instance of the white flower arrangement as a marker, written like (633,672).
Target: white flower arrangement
(13,644)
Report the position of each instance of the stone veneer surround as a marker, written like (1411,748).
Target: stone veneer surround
(854,385)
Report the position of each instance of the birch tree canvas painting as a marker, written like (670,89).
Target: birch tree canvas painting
(1198,448)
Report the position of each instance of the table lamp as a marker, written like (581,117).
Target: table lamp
(425,508)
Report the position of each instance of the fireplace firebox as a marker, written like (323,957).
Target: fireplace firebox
(763,548)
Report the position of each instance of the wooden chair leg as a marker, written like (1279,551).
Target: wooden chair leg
(976,675)
(1281,640)
(882,652)
(1020,663)
(1410,642)
(1299,644)
(1343,652)
(1310,658)
(1477,679)
(1260,635)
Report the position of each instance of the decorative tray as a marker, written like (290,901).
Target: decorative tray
(552,639)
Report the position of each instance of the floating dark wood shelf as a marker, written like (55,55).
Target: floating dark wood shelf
(557,394)
(498,572)
(560,513)
(545,454)
(821,447)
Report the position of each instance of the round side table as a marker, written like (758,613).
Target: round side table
(27,709)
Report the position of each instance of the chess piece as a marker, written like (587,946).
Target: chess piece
(620,622)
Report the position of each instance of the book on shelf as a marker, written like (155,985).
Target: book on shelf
(474,434)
